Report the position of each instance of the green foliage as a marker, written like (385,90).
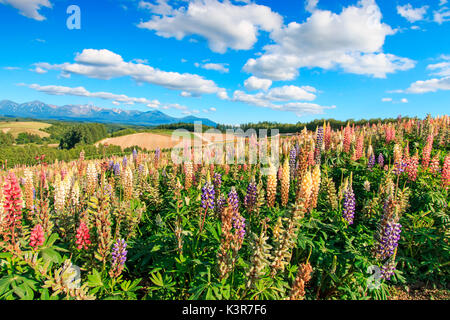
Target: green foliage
(6,139)
(86,133)
(25,137)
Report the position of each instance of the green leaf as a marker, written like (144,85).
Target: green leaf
(95,279)
(49,254)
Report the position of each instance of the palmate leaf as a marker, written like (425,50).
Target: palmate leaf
(22,287)
(95,279)
(50,254)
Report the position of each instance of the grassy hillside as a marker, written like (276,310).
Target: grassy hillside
(31,127)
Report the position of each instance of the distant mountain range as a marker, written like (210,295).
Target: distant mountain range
(90,113)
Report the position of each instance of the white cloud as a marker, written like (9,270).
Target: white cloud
(412,14)
(287,94)
(442,2)
(162,7)
(284,93)
(431,85)
(441,69)
(291,92)
(442,15)
(212,109)
(105,64)
(11,68)
(386,99)
(221,67)
(310,5)
(39,70)
(29,8)
(185,94)
(352,40)
(117,99)
(254,83)
(82,92)
(224,24)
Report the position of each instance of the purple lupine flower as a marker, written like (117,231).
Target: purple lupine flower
(380,160)
(111,165)
(141,168)
(387,270)
(119,253)
(124,162)
(116,169)
(217,181)
(107,189)
(233,199)
(292,160)
(157,154)
(135,155)
(220,205)
(239,225)
(388,242)
(371,162)
(348,211)
(297,148)
(251,196)
(319,142)
(399,167)
(208,196)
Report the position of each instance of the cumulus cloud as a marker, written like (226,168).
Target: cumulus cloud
(311,5)
(161,7)
(412,14)
(440,69)
(29,8)
(82,92)
(287,95)
(105,64)
(431,85)
(352,40)
(224,24)
(117,99)
(442,15)
(254,83)
(212,109)
(221,67)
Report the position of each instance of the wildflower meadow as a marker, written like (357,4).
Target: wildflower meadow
(358,212)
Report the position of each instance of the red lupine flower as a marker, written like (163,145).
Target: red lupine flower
(347,138)
(411,168)
(37,236)
(434,165)
(446,172)
(83,236)
(427,151)
(359,146)
(12,205)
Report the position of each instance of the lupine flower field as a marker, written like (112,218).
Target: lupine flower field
(355,213)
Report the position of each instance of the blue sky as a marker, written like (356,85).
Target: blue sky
(231,61)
